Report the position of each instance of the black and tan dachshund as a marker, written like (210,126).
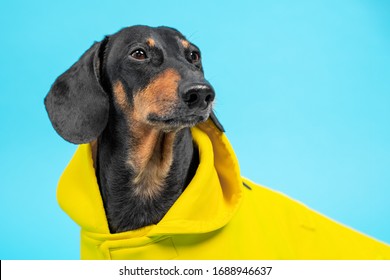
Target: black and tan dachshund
(134,96)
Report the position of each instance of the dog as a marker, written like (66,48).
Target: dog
(144,153)
(158,163)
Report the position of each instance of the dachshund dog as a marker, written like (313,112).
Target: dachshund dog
(134,96)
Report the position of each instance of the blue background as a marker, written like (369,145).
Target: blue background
(303,90)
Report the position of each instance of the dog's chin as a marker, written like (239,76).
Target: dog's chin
(170,123)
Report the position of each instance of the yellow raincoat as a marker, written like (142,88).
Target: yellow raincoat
(220,215)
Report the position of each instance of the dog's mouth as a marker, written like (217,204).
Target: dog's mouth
(177,121)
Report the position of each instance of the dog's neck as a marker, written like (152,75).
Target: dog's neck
(141,171)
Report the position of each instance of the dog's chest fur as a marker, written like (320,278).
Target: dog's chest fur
(140,185)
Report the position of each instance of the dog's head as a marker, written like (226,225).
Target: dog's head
(154,76)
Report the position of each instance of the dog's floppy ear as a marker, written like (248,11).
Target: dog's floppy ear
(216,122)
(76,103)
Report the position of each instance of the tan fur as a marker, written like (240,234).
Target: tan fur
(120,97)
(151,150)
(150,179)
(151,43)
(185,43)
(94,152)
(158,97)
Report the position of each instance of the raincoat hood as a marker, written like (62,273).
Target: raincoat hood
(220,215)
(78,192)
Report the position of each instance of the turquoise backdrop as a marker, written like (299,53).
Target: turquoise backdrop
(303,90)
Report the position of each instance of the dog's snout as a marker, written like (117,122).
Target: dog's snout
(198,96)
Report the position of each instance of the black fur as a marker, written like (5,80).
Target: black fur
(81,108)
(77,104)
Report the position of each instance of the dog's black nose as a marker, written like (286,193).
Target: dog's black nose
(198,96)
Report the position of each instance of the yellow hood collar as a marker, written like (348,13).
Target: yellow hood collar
(207,204)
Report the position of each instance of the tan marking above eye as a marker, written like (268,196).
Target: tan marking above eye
(150,42)
(185,43)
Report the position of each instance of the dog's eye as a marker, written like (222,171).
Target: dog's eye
(139,54)
(194,57)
